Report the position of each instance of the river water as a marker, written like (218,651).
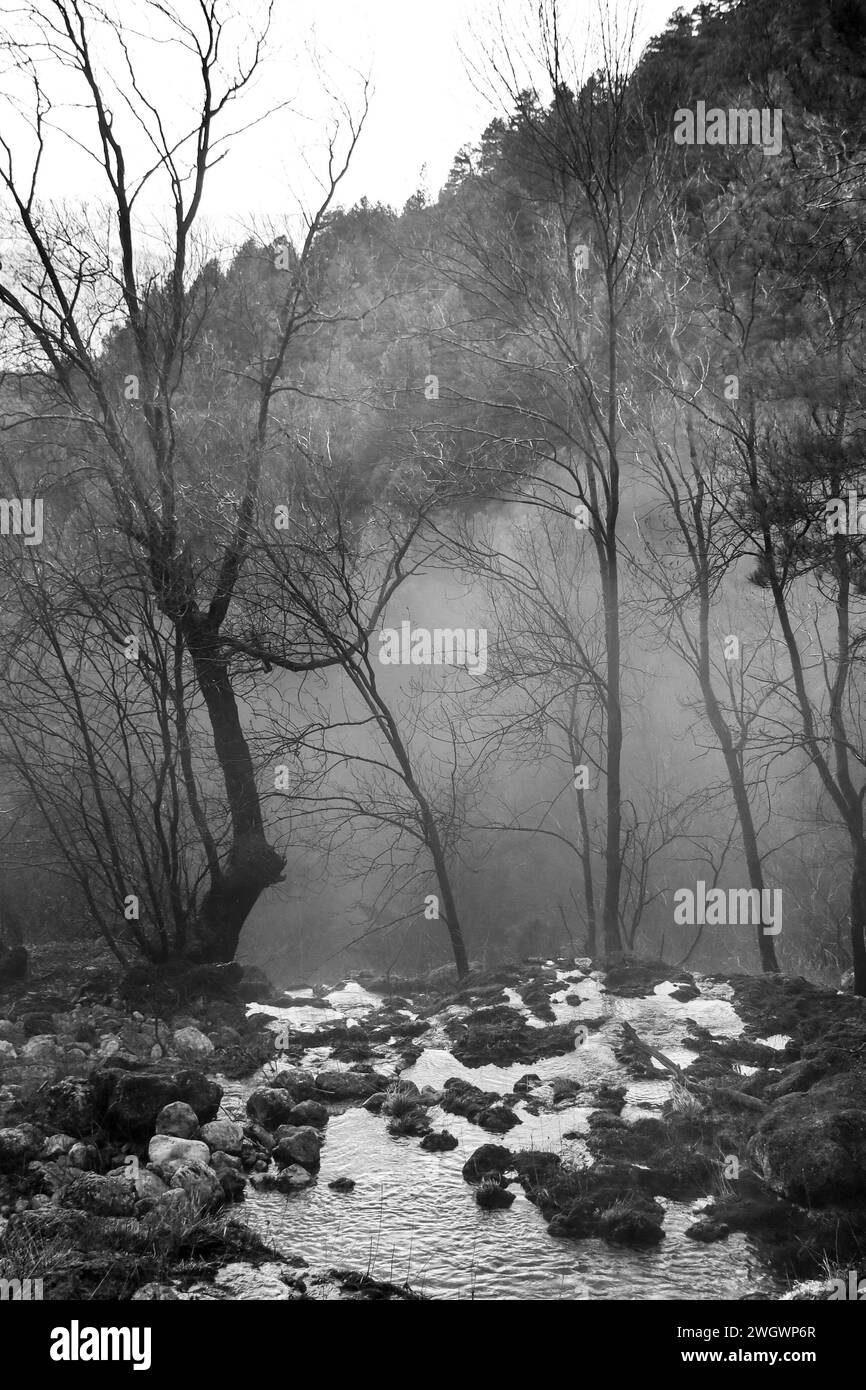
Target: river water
(412,1217)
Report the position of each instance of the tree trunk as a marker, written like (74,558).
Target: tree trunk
(588,886)
(858,918)
(252,865)
(452,921)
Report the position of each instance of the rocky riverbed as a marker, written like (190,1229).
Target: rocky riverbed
(540,1131)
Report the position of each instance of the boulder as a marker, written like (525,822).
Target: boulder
(200,1183)
(199,1092)
(492,1197)
(299,1145)
(292,1179)
(342,1184)
(301,1083)
(635,1221)
(192,1043)
(708,1231)
(577,1222)
(100,1194)
(224,1135)
(177,1118)
(349,1085)
(134,1099)
(270,1106)
(309,1112)
(440,1142)
(69,1106)
(57,1145)
(41,1048)
(17,1145)
(7,1051)
(131,1100)
(164,1148)
(811,1147)
(489,1158)
(84,1156)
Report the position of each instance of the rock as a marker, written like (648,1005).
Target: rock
(489,1158)
(439,1143)
(708,1231)
(57,1145)
(169,1209)
(492,1197)
(148,1185)
(41,1048)
(69,1105)
(224,1135)
(811,1147)
(233,1184)
(564,1088)
(260,1137)
(134,1099)
(131,1100)
(17,1145)
(498,1119)
(349,1085)
(685,993)
(86,1157)
(292,1179)
(200,1183)
(7,1051)
(579,1221)
(270,1106)
(799,1076)
(12,1032)
(177,1118)
(164,1148)
(297,1080)
(501,1036)
(375,1102)
(309,1112)
(100,1194)
(411,1123)
(299,1145)
(200,1092)
(637,1220)
(342,1184)
(526,1083)
(192,1043)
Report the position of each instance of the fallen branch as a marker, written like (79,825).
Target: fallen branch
(712,1093)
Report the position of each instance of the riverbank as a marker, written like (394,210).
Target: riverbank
(201,1136)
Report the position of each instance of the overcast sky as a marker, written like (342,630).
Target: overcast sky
(425,101)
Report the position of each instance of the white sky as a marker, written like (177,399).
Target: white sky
(425,103)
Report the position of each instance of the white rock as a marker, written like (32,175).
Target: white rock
(193,1042)
(165,1147)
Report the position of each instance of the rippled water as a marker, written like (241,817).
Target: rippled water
(413,1217)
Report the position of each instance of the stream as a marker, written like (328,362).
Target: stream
(412,1217)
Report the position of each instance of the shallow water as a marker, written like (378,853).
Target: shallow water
(412,1216)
